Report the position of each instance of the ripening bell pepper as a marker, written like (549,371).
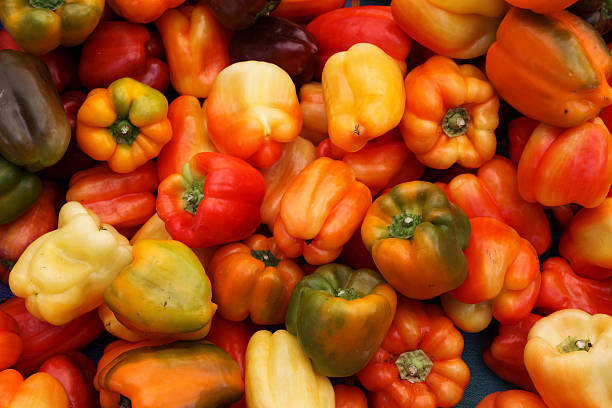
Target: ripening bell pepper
(164,291)
(279,375)
(19,190)
(568,357)
(552,68)
(542,6)
(448,27)
(419,363)
(340,317)
(512,399)
(252,110)
(75,371)
(305,10)
(416,237)
(125,124)
(349,396)
(63,274)
(240,14)
(216,200)
(34,130)
(321,209)
(364,95)
(451,114)
(11,344)
(142,11)
(40,390)
(40,26)
(312,104)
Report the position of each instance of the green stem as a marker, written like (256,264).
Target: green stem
(414,366)
(193,196)
(268,8)
(404,224)
(455,122)
(573,344)
(123,131)
(606,9)
(47,4)
(124,402)
(266,257)
(347,294)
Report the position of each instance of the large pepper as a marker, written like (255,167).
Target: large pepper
(11,344)
(19,190)
(125,124)
(39,26)
(63,274)
(271,382)
(364,95)
(416,237)
(75,371)
(340,317)
(419,363)
(241,14)
(34,130)
(40,390)
(142,11)
(512,399)
(552,67)
(215,201)
(568,356)
(451,114)
(321,209)
(164,291)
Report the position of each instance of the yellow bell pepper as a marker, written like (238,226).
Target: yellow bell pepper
(279,375)
(364,95)
(63,274)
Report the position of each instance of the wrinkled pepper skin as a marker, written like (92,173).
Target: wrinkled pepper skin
(419,364)
(34,130)
(364,95)
(11,344)
(75,371)
(415,224)
(305,10)
(321,209)
(272,383)
(349,396)
(142,11)
(19,190)
(125,124)
(41,26)
(512,399)
(552,68)
(63,273)
(542,6)
(454,123)
(340,317)
(40,390)
(568,358)
(450,28)
(240,14)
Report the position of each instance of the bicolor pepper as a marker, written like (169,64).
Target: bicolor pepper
(142,11)
(40,390)
(312,104)
(19,190)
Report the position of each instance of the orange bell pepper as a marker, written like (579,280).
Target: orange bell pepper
(321,209)
(11,344)
(543,6)
(349,396)
(312,105)
(40,390)
(451,114)
(305,10)
(512,399)
(252,110)
(142,11)
(196,47)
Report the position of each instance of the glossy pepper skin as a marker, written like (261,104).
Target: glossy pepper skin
(419,363)
(512,399)
(34,130)
(568,358)
(240,14)
(11,344)
(340,317)
(142,11)
(312,104)
(573,90)
(456,122)
(364,95)
(41,26)
(321,209)
(349,396)
(543,6)
(215,201)
(453,29)
(19,190)
(416,237)
(118,49)
(75,371)
(305,10)
(40,390)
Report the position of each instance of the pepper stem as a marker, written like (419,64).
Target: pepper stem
(268,8)
(404,224)
(193,196)
(266,257)
(347,294)
(606,9)
(123,131)
(47,4)
(455,122)
(124,402)
(573,344)
(414,366)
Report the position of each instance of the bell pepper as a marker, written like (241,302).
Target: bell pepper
(40,390)
(349,396)
(340,317)
(124,124)
(454,123)
(118,49)
(559,166)
(504,356)
(355,254)
(542,6)
(321,209)
(19,190)
(164,291)
(63,274)
(450,28)
(364,95)
(281,42)
(296,156)
(270,382)
(416,237)
(512,399)
(118,199)
(34,131)
(305,10)
(419,363)
(494,193)
(40,26)
(312,104)
(252,110)
(119,330)
(503,271)
(339,29)
(75,371)
(189,135)
(196,46)
(10,380)
(11,344)
(568,359)
(176,375)
(240,14)
(142,11)
(595,12)
(552,68)
(215,201)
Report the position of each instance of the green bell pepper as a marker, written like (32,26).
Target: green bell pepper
(19,189)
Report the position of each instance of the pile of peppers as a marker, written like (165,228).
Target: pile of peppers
(290,203)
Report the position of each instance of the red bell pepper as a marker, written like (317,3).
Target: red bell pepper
(356,255)
(118,49)
(11,344)
(142,11)
(216,200)
(519,131)
(75,371)
(349,396)
(512,399)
